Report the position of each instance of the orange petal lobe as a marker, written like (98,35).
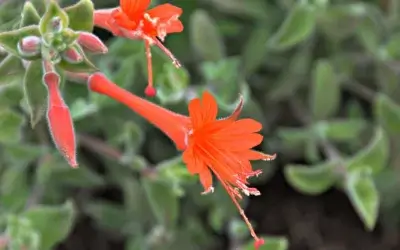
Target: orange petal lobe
(134,7)
(209,107)
(206,180)
(168,15)
(195,112)
(165,11)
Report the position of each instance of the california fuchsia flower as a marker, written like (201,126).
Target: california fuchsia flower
(131,20)
(59,117)
(222,147)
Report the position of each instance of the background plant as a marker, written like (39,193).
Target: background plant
(322,76)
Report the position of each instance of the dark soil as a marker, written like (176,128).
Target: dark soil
(325,222)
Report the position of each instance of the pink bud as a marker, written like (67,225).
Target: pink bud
(29,46)
(92,43)
(59,119)
(72,55)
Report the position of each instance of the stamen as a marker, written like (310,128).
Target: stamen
(269,157)
(258,241)
(150,90)
(208,191)
(168,53)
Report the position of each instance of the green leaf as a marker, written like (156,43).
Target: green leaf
(20,230)
(53,223)
(312,180)
(388,113)
(293,137)
(85,66)
(325,93)
(374,156)
(364,196)
(39,5)
(205,36)
(14,190)
(369,35)
(342,130)
(163,201)
(11,92)
(9,66)
(387,80)
(9,40)
(108,215)
(293,75)
(81,108)
(391,49)
(10,126)
(23,153)
(271,243)
(173,83)
(297,27)
(35,92)
(81,15)
(53,10)
(257,9)
(29,15)
(254,51)
(339,21)
(83,177)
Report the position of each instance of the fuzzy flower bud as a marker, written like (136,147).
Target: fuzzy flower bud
(29,46)
(72,55)
(59,117)
(92,43)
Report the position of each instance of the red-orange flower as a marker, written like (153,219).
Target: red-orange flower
(219,146)
(131,20)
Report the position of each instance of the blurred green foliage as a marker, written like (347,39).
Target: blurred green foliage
(321,75)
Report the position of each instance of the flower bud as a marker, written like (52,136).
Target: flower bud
(29,46)
(72,55)
(92,43)
(59,119)
(56,24)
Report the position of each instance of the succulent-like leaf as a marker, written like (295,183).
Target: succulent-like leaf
(388,113)
(312,180)
(325,93)
(29,15)
(9,40)
(53,11)
(81,15)
(374,156)
(205,36)
(10,65)
(63,216)
(297,27)
(35,92)
(341,130)
(364,196)
(163,201)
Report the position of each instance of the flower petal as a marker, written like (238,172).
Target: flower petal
(209,107)
(165,12)
(134,7)
(195,113)
(237,142)
(242,127)
(193,163)
(206,179)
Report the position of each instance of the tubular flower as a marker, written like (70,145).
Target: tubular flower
(132,20)
(219,146)
(59,119)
